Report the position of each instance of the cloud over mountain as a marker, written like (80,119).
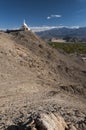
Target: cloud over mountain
(45,28)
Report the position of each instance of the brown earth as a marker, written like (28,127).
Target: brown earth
(36,78)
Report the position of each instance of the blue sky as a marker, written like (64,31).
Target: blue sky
(42,13)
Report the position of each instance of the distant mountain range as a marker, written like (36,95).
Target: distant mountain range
(68,34)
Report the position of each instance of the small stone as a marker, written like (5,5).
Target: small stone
(33,128)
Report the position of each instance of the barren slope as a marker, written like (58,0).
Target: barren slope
(34,77)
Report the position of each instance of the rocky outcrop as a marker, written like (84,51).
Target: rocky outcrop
(44,121)
(50,122)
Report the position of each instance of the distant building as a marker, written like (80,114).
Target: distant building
(25,27)
(58,40)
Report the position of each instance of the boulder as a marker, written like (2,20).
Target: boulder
(50,122)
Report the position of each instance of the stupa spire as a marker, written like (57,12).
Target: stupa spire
(24,22)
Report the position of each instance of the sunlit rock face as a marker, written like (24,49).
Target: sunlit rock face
(50,122)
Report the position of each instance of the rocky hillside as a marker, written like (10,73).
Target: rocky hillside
(36,78)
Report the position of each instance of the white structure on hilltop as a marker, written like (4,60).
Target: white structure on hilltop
(25,27)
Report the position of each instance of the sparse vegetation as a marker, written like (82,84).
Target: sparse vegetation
(70,47)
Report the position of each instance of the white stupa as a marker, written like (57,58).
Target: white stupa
(25,27)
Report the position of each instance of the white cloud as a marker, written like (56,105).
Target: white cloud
(54,16)
(48,17)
